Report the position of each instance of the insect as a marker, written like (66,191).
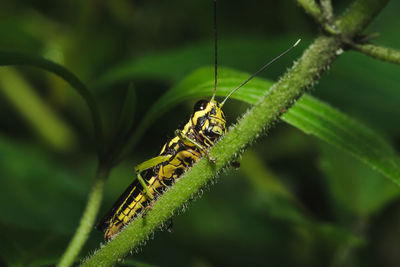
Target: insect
(206,126)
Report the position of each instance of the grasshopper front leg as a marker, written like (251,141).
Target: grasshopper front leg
(186,138)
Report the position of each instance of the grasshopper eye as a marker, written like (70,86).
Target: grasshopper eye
(200,105)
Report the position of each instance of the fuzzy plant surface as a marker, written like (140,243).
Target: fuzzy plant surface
(285,100)
(281,96)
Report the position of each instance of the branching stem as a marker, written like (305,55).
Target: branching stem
(300,78)
(327,10)
(379,52)
(312,9)
(358,16)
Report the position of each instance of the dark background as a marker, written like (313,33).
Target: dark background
(294,202)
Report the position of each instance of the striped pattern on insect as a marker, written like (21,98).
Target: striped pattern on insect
(206,126)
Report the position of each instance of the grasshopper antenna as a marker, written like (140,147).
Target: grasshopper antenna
(215,50)
(260,70)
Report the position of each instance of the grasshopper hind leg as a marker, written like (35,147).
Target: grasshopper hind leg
(145,166)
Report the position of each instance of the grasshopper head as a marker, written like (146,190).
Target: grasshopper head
(209,119)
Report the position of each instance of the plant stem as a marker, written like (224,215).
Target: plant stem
(312,9)
(327,10)
(359,15)
(10,58)
(282,95)
(379,52)
(87,220)
(301,77)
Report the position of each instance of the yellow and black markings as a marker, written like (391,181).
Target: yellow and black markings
(205,127)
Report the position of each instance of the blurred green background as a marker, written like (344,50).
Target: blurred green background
(295,201)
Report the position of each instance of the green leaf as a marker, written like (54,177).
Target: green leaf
(355,189)
(11,58)
(173,65)
(314,117)
(264,181)
(127,112)
(36,192)
(25,246)
(310,115)
(45,122)
(359,83)
(271,195)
